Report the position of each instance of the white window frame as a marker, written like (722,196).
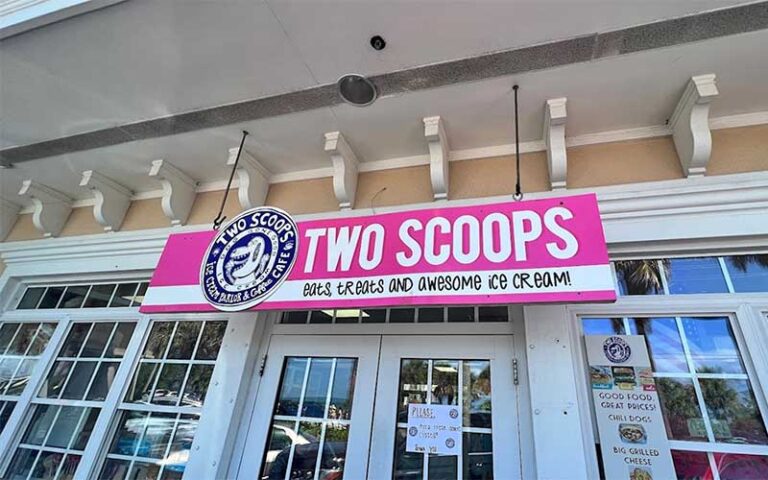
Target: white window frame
(749,334)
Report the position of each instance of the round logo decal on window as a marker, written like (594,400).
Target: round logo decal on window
(413,431)
(616,349)
(249,259)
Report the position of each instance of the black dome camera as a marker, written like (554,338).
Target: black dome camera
(378,43)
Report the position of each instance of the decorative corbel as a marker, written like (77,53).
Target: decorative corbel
(112,199)
(439,152)
(345,169)
(178,191)
(555,116)
(252,177)
(690,125)
(52,208)
(8,213)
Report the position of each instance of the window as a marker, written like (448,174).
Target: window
(675,276)
(160,411)
(20,347)
(69,401)
(107,295)
(447,382)
(706,394)
(500,313)
(310,423)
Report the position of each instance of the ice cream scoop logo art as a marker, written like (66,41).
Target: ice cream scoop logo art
(249,258)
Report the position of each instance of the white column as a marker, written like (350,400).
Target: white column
(560,446)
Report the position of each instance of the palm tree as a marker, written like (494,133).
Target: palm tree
(641,277)
(741,262)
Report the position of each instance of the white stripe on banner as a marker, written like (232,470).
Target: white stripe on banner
(524,281)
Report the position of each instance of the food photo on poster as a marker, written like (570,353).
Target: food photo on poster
(547,250)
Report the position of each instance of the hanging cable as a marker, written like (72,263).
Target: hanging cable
(518,188)
(221,217)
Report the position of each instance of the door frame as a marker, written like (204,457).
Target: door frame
(499,349)
(364,348)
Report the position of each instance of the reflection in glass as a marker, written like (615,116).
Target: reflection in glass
(47,465)
(712,345)
(23,339)
(102,381)
(71,462)
(184,340)
(413,386)
(477,393)
(695,275)
(97,340)
(64,427)
(280,440)
(478,456)
(402,315)
(6,408)
(85,429)
(445,382)
(129,431)
(158,340)
(664,345)
(73,296)
(21,464)
(142,383)
(639,277)
(120,339)
(407,465)
(493,314)
(182,443)
(79,380)
(290,391)
(41,339)
(197,385)
(733,411)
(461,314)
(169,384)
(51,297)
(442,466)
(40,424)
(739,466)
(123,295)
(603,326)
(295,318)
(53,384)
(749,273)
(157,435)
(144,471)
(305,451)
(99,296)
(373,315)
(431,315)
(8,367)
(319,316)
(682,415)
(140,292)
(114,469)
(75,339)
(343,389)
(691,465)
(210,342)
(21,377)
(7,332)
(317,388)
(31,298)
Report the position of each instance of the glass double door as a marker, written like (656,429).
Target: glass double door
(336,407)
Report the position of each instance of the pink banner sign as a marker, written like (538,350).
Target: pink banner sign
(549,250)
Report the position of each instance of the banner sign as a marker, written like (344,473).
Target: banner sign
(434,429)
(633,438)
(548,250)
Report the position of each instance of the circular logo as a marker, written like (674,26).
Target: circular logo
(413,431)
(616,349)
(450,443)
(249,258)
(454,413)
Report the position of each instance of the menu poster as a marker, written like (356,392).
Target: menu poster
(434,429)
(633,439)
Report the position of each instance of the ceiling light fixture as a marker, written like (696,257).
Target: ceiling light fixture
(356,90)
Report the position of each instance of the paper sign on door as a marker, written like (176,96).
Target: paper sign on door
(434,429)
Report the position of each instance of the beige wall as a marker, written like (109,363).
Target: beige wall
(739,150)
(399,186)
(618,163)
(488,177)
(304,196)
(734,150)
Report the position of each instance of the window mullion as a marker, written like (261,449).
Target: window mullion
(13,429)
(101,429)
(696,384)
